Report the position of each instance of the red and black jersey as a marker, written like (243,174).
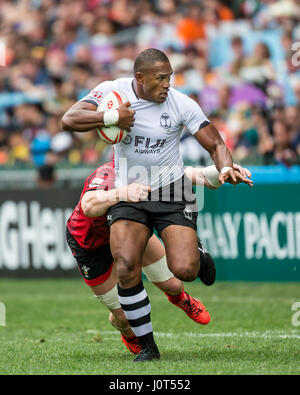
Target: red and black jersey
(91,233)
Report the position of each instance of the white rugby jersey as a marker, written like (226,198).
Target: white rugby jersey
(150,154)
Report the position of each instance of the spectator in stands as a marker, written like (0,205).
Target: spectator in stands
(237,46)
(46,177)
(191,28)
(257,68)
(19,149)
(58,50)
(292,120)
(223,12)
(4,147)
(296,88)
(283,150)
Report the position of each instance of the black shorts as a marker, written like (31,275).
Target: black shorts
(175,206)
(95,266)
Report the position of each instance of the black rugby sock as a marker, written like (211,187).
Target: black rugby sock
(137,308)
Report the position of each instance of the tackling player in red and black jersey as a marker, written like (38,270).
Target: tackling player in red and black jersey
(92,232)
(88,237)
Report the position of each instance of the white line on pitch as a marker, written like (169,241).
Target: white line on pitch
(264,335)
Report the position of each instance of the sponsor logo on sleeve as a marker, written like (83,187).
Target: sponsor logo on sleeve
(96,95)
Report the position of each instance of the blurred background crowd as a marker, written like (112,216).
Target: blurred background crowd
(240,60)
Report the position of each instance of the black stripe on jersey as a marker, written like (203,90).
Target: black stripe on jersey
(204,124)
(135,306)
(90,101)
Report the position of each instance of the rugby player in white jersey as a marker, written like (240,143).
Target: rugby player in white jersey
(157,117)
(87,234)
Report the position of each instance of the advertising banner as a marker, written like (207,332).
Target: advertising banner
(252,233)
(32,232)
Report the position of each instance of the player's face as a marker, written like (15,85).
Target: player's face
(155,83)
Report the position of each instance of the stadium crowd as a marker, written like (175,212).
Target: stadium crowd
(239,59)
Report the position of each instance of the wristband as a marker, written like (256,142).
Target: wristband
(212,176)
(225,169)
(111,117)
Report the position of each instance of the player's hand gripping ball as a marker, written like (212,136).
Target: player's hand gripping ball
(110,102)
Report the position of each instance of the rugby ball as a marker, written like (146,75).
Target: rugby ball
(111,101)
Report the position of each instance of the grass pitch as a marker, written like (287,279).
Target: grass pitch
(56,327)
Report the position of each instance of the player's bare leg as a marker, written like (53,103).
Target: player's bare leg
(181,245)
(128,240)
(155,268)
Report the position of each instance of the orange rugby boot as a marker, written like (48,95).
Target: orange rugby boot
(132,344)
(191,306)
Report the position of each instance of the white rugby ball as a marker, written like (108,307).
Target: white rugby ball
(111,101)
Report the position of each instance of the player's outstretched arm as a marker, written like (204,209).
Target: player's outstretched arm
(209,176)
(211,140)
(83,117)
(203,176)
(96,203)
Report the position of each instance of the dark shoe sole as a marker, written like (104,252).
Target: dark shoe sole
(148,359)
(147,355)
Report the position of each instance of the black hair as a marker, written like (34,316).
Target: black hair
(148,57)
